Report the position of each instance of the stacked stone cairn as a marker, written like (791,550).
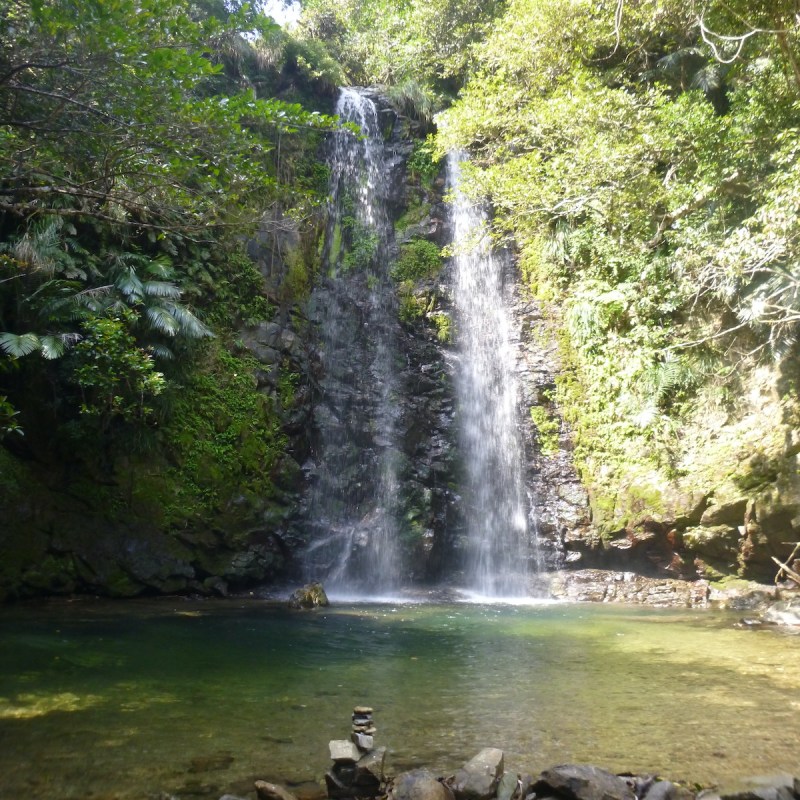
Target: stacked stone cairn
(357,769)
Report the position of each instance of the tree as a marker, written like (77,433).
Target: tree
(131,148)
(108,110)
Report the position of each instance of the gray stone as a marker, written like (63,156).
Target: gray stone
(763,793)
(372,763)
(786,612)
(666,790)
(507,786)
(272,791)
(479,777)
(579,782)
(419,784)
(338,786)
(729,513)
(362,741)
(343,750)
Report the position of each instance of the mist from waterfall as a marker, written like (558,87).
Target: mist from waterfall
(501,541)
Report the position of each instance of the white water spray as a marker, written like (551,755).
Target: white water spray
(501,530)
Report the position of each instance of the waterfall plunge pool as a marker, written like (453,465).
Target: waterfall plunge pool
(195,699)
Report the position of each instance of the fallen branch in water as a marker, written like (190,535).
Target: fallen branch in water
(786,569)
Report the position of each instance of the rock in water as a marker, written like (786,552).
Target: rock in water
(667,790)
(578,782)
(507,786)
(479,777)
(371,764)
(763,793)
(419,784)
(310,596)
(343,750)
(271,791)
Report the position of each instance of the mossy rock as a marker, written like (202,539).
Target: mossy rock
(310,596)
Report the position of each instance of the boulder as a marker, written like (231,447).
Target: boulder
(667,790)
(730,513)
(310,596)
(419,784)
(479,777)
(763,793)
(786,612)
(580,782)
(508,785)
(718,543)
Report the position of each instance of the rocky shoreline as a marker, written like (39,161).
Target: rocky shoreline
(484,777)
(763,604)
(358,773)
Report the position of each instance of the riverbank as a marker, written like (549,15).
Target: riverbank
(484,778)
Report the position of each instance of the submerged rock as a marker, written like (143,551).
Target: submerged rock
(271,791)
(310,596)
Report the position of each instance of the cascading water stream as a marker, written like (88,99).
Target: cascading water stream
(503,551)
(353,504)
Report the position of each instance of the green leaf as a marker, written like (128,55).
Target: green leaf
(19,345)
(53,347)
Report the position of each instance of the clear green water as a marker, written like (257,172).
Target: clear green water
(132,699)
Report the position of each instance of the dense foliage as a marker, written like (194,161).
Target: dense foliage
(135,150)
(142,144)
(642,156)
(419,49)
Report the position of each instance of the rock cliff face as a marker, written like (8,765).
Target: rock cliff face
(729,507)
(383,452)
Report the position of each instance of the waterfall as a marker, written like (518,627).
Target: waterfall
(354,500)
(502,547)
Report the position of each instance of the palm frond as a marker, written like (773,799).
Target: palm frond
(161,351)
(129,283)
(53,347)
(709,78)
(19,345)
(189,324)
(160,267)
(162,320)
(161,289)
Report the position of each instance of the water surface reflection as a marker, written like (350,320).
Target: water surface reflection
(131,699)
